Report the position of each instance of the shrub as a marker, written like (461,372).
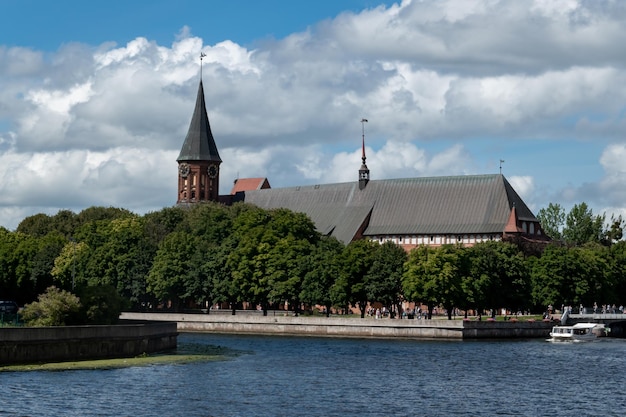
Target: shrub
(55,308)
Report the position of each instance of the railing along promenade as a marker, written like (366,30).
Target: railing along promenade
(597,317)
(335,326)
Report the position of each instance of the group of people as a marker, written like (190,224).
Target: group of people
(378,313)
(603,309)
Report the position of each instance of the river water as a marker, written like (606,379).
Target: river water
(289,376)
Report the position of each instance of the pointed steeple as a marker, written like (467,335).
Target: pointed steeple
(199,144)
(198,161)
(364,172)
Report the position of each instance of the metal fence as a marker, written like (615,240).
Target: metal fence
(10,320)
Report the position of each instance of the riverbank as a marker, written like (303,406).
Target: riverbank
(348,327)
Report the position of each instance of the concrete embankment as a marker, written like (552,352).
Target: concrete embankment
(348,327)
(70,343)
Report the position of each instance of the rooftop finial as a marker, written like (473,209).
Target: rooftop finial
(364,172)
(363,121)
(202,55)
(501,162)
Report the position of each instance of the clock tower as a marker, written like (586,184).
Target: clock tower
(198,161)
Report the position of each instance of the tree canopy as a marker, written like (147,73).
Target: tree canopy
(241,256)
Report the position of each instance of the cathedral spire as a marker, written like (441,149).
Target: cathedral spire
(199,144)
(364,172)
(199,161)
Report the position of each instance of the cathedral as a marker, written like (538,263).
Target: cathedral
(408,211)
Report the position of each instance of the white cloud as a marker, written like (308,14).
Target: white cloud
(524,185)
(448,87)
(613,185)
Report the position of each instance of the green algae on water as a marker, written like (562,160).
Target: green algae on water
(186,353)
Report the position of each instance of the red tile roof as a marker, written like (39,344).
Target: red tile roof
(511,224)
(249,184)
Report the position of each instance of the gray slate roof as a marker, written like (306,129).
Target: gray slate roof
(199,144)
(473,204)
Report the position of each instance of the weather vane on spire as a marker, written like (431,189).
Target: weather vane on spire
(202,55)
(501,162)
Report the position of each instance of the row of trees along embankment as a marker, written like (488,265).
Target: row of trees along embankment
(182,258)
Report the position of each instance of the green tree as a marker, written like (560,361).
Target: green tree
(49,247)
(212,221)
(570,276)
(290,257)
(100,305)
(97,213)
(65,222)
(615,230)
(8,280)
(159,224)
(68,268)
(498,276)
(384,279)
(263,266)
(18,252)
(434,276)
(34,257)
(320,278)
(351,287)
(118,256)
(247,261)
(215,281)
(552,220)
(582,226)
(172,269)
(225,288)
(36,225)
(287,267)
(618,272)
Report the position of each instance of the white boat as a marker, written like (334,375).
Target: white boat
(579,331)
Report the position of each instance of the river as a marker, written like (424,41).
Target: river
(290,376)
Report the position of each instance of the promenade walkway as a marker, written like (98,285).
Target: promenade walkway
(347,327)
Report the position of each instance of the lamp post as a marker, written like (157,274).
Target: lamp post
(73,262)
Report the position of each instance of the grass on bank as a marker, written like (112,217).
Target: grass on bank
(183,355)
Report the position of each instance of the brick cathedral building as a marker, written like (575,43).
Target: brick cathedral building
(408,211)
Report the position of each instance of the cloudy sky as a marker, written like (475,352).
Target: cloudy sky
(96,97)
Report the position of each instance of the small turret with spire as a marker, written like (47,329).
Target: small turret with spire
(364,172)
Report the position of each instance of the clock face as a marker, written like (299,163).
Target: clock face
(184,169)
(212,171)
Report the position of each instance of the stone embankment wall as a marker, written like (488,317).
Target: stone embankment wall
(347,327)
(56,344)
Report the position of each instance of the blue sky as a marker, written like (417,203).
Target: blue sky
(48,24)
(96,97)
